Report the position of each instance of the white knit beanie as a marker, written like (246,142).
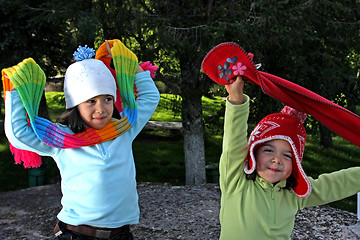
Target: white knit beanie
(87,78)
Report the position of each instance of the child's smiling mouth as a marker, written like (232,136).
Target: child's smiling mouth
(274,170)
(100,118)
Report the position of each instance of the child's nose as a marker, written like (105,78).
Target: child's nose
(277,159)
(99,108)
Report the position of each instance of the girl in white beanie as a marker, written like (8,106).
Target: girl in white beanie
(92,150)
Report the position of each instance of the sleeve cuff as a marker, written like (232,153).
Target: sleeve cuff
(141,75)
(238,106)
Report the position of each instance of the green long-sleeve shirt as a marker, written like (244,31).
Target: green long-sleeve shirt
(258,209)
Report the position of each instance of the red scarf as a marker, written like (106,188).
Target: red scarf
(228,60)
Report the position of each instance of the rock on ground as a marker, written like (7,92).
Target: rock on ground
(167,212)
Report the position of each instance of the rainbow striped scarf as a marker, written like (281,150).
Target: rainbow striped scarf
(29,80)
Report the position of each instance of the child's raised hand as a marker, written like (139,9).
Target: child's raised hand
(139,69)
(108,48)
(235,90)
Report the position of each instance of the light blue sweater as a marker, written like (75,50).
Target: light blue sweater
(98,182)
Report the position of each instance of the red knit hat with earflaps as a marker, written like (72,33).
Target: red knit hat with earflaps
(286,125)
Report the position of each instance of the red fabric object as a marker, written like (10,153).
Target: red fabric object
(288,126)
(228,60)
(28,158)
(340,120)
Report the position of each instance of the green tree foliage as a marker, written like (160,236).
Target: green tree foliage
(184,31)
(31,30)
(312,43)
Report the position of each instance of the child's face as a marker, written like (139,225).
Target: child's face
(274,160)
(97,111)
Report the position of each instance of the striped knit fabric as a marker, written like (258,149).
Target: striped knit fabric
(126,64)
(101,54)
(29,80)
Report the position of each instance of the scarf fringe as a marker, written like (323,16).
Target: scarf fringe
(27,158)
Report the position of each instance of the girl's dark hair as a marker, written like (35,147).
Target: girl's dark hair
(43,108)
(72,118)
(290,181)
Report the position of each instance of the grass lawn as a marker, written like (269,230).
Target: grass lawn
(160,158)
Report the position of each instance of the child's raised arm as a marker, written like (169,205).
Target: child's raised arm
(235,146)
(235,90)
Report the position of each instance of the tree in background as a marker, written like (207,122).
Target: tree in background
(312,43)
(183,32)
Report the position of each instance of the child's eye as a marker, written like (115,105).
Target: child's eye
(90,101)
(108,99)
(288,156)
(268,150)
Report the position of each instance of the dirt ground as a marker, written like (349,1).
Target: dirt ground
(167,212)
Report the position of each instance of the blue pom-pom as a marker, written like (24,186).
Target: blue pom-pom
(82,53)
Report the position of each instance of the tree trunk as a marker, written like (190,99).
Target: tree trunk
(193,126)
(193,129)
(325,136)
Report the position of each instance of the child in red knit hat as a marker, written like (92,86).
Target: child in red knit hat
(262,182)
